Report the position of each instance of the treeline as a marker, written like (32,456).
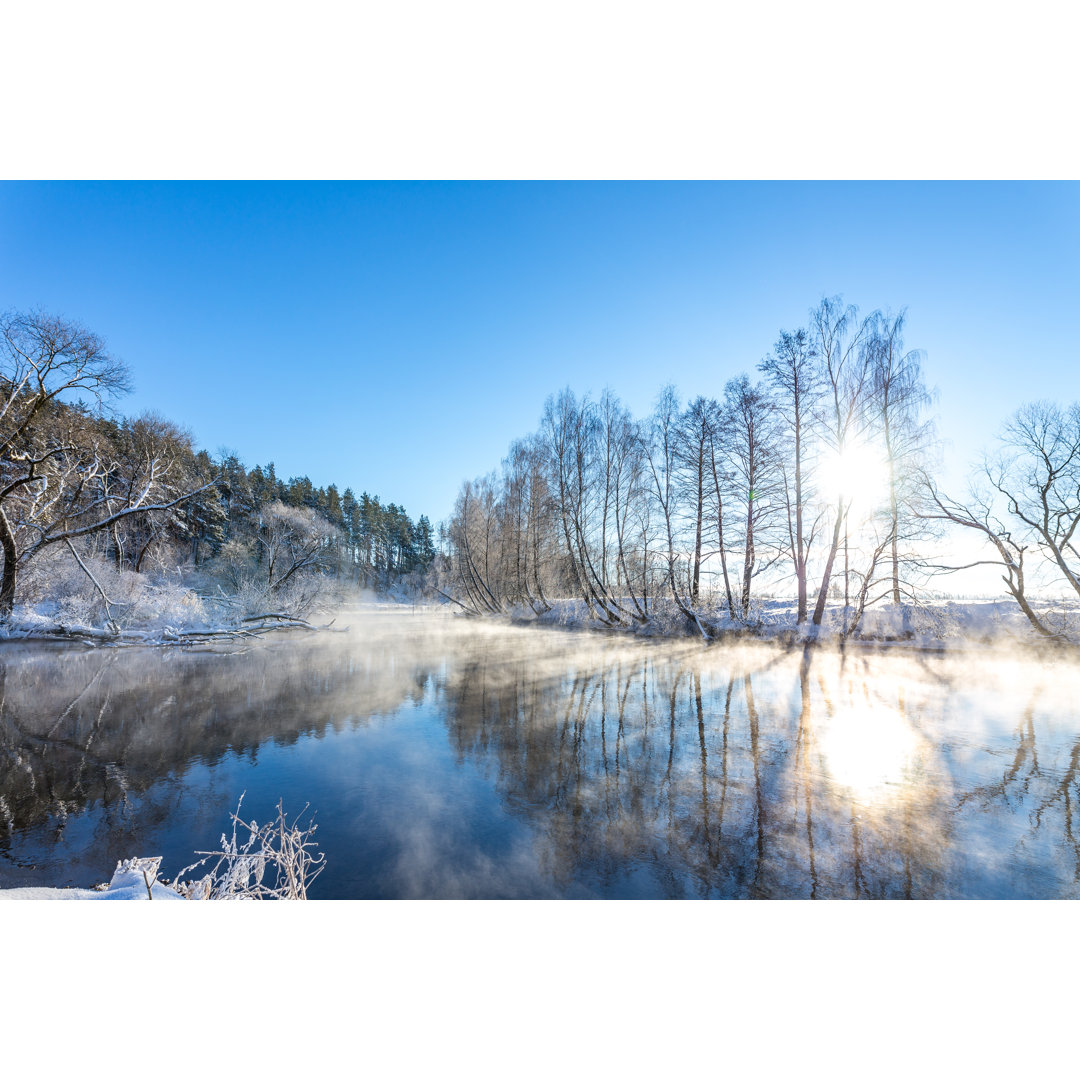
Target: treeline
(280,526)
(375,542)
(810,473)
(137,495)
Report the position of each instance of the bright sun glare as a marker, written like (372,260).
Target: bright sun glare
(856,474)
(868,749)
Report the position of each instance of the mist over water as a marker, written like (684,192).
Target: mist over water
(448,758)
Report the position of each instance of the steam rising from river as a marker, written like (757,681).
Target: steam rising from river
(449,757)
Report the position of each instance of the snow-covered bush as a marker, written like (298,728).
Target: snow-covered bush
(56,588)
(277,861)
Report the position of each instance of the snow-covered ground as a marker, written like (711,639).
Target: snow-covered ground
(932,624)
(133,879)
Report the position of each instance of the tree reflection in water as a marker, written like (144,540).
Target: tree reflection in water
(602,766)
(756,773)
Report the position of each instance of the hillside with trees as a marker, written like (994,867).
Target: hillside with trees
(811,480)
(107,519)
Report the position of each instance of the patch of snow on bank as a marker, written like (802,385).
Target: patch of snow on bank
(128,883)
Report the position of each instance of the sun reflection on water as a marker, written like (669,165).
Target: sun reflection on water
(869,749)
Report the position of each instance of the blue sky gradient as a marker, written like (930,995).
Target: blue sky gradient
(394,337)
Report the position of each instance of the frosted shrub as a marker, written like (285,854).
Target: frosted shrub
(294,598)
(239,586)
(165,602)
(235,566)
(52,578)
(664,617)
(56,588)
(930,621)
(277,861)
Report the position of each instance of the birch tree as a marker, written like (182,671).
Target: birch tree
(693,453)
(839,339)
(662,452)
(897,399)
(751,445)
(792,370)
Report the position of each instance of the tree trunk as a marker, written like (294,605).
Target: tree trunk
(695,588)
(800,554)
(894,513)
(11,556)
(748,558)
(819,607)
(720,534)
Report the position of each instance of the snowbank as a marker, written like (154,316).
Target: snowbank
(128,883)
(930,624)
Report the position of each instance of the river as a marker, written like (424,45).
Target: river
(446,758)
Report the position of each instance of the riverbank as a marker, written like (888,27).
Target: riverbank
(934,624)
(198,625)
(133,879)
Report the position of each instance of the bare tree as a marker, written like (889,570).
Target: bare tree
(662,452)
(61,480)
(571,429)
(898,396)
(697,431)
(721,476)
(839,339)
(978,514)
(793,372)
(540,542)
(292,539)
(1038,474)
(58,479)
(626,493)
(1029,500)
(472,529)
(865,580)
(751,438)
(522,517)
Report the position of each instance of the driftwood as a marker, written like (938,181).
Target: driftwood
(282,617)
(113,637)
(468,610)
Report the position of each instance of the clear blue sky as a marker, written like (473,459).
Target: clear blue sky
(395,337)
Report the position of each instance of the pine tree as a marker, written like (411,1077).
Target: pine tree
(333,511)
(424,543)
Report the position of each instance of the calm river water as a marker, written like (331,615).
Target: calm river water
(444,758)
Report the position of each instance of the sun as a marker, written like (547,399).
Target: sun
(857,474)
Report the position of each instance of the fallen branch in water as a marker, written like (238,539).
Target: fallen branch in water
(113,637)
(282,616)
(468,610)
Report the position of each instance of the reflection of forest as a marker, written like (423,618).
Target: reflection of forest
(85,727)
(647,769)
(749,773)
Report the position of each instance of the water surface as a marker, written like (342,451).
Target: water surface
(446,758)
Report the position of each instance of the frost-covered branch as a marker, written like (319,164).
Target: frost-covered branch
(277,861)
